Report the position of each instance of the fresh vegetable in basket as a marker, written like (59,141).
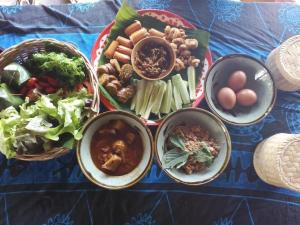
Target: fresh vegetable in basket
(14,75)
(7,98)
(39,125)
(68,70)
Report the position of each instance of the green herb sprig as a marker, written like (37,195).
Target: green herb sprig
(178,156)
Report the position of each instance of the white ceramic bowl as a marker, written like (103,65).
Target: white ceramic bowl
(216,129)
(259,79)
(97,176)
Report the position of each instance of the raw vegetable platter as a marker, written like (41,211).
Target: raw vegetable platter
(45,98)
(157,19)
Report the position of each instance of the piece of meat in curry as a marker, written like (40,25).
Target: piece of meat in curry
(116,148)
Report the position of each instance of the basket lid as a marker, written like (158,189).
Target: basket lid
(288,59)
(289,163)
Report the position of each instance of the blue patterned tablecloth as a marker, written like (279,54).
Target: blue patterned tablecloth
(57,193)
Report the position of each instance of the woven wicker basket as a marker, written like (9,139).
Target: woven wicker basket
(283,63)
(20,53)
(276,161)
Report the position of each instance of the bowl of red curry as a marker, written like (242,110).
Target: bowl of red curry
(116,150)
(153,58)
(192,146)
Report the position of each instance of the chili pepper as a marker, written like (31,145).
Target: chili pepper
(32,95)
(89,87)
(43,84)
(24,90)
(31,82)
(52,81)
(43,78)
(78,87)
(50,90)
(38,86)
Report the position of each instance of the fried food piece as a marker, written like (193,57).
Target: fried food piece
(185,53)
(194,62)
(174,32)
(138,35)
(111,49)
(112,163)
(174,47)
(106,68)
(136,25)
(113,87)
(124,50)
(191,43)
(156,33)
(124,41)
(179,65)
(115,64)
(121,57)
(182,46)
(125,73)
(126,93)
(178,41)
(104,79)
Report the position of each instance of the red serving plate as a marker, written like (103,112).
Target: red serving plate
(169,18)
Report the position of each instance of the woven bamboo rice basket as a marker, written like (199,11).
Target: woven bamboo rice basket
(21,52)
(276,161)
(283,63)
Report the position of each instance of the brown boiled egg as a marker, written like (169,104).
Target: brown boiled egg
(246,97)
(226,98)
(237,80)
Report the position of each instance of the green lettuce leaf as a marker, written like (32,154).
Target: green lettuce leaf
(10,118)
(38,123)
(70,116)
(7,98)
(27,110)
(6,143)
(46,105)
